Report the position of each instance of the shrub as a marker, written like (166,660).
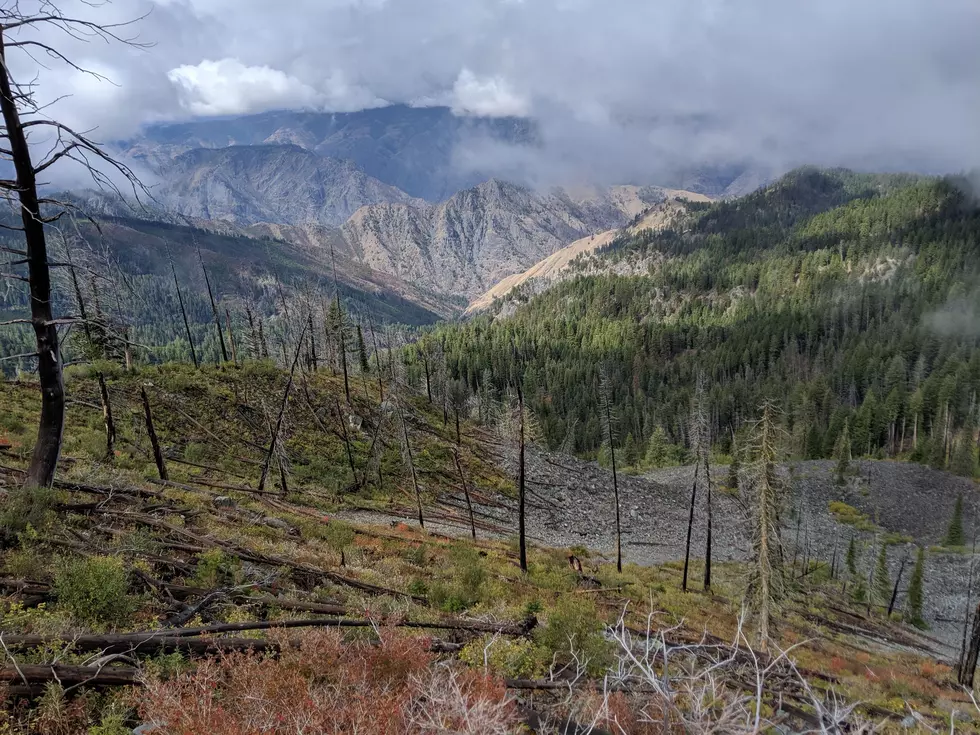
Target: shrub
(330,686)
(513,659)
(574,630)
(95,590)
(26,508)
(215,568)
(468,578)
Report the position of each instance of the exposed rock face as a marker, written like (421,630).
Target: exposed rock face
(484,234)
(282,184)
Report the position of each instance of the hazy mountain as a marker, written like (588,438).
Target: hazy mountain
(411,148)
(283,184)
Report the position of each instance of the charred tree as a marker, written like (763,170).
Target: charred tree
(214,309)
(279,418)
(152,434)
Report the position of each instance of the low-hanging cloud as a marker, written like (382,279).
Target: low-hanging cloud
(620,90)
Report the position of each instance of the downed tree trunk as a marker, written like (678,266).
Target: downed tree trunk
(104,676)
(123,642)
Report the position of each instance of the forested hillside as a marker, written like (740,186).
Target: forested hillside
(849,299)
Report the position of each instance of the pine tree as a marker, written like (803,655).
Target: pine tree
(964,460)
(658,450)
(852,558)
(954,534)
(913,605)
(882,582)
(362,352)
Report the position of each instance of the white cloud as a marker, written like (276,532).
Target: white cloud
(486,96)
(229,87)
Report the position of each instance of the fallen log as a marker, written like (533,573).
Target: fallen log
(68,676)
(132,641)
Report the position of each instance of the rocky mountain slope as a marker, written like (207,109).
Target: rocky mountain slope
(557,265)
(283,184)
(484,234)
(413,148)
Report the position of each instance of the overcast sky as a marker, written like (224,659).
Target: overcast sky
(618,86)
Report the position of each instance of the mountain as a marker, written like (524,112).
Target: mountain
(558,265)
(282,184)
(848,299)
(415,149)
(479,236)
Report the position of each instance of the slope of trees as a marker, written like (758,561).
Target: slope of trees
(847,298)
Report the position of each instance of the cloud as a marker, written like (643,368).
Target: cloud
(228,87)
(620,91)
(486,97)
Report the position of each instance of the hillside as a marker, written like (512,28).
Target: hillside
(166,572)
(129,261)
(553,267)
(838,295)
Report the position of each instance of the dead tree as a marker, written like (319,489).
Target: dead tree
(231,337)
(411,464)
(340,327)
(183,312)
(698,436)
(767,585)
(605,405)
(94,349)
(214,308)
(24,113)
(152,434)
(466,491)
(377,363)
(277,427)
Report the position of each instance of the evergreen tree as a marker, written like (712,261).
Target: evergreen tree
(734,468)
(913,605)
(964,460)
(362,352)
(630,451)
(659,449)
(954,534)
(882,583)
(852,558)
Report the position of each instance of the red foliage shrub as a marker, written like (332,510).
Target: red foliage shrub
(327,686)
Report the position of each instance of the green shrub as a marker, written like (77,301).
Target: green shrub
(215,568)
(95,590)
(466,587)
(26,508)
(338,535)
(574,629)
(509,658)
(113,724)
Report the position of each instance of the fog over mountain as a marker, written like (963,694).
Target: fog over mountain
(618,92)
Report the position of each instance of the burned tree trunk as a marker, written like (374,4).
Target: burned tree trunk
(183,313)
(282,411)
(707,546)
(47,448)
(521,479)
(152,434)
(110,425)
(690,523)
(466,492)
(411,464)
(969,667)
(214,309)
(231,337)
